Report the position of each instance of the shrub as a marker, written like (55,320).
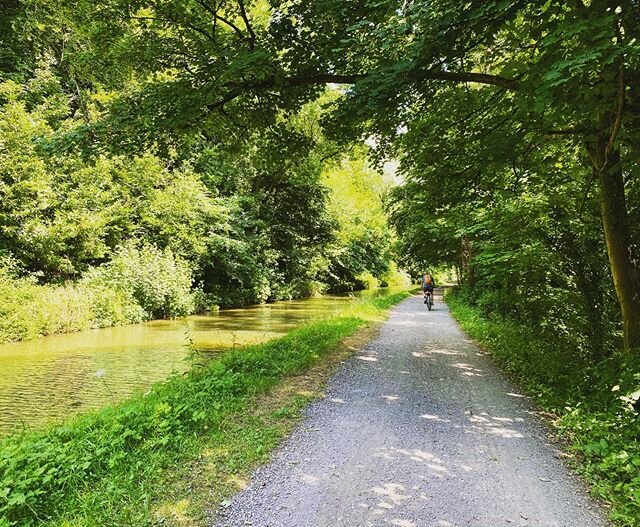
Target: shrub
(29,310)
(159,281)
(138,284)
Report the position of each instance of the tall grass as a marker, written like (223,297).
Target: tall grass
(137,284)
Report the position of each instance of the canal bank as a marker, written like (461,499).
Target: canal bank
(128,463)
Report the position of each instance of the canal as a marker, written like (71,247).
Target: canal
(48,379)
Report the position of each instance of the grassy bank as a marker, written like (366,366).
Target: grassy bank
(139,283)
(137,463)
(594,402)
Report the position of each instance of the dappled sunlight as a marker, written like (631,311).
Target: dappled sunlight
(464,366)
(367,358)
(390,498)
(419,455)
(392,492)
(485,424)
(503,419)
(384,454)
(432,417)
(481,424)
(426,459)
(429,353)
(403,523)
(310,480)
(468,370)
(391,495)
(507,433)
(442,351)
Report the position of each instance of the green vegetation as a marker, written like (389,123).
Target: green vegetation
(116,466)
(596,402)
(136,285)
(122,237)
(240,140)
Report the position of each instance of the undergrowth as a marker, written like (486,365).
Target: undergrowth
(113,467)
(139,283)
(596,403)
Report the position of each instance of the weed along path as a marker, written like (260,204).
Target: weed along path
(417,429)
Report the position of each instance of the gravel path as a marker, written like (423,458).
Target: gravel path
(417,429)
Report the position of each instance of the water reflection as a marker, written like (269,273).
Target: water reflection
(47,379)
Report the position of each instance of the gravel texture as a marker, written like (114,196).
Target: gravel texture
(417,429)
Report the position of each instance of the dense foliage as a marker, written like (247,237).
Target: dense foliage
(133,225)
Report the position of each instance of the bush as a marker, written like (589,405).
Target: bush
(159,282)
(112,306)
(138,284)
(29,310)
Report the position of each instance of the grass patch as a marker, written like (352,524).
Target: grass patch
(165,456)
(594,403)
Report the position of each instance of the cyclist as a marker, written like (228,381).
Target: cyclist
(427,286)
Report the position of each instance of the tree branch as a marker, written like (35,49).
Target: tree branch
(235,90)
(245,18)
(331,78)
(222,19)
(464,76)
(569,131)
(186,24)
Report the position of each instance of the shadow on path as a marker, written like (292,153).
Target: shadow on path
(418,429)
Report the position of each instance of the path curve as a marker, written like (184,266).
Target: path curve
(418,429)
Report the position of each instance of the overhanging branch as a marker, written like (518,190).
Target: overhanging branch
(236,90)
(465,76)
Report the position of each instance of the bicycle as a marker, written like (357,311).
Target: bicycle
(428,299)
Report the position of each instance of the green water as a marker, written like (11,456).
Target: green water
(47,379)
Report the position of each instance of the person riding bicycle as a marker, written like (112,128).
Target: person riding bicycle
(428,284)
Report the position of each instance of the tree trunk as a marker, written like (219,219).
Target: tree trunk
(615,221)
(466,256)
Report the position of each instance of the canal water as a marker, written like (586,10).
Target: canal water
(48,379)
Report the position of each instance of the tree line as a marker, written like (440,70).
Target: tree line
(515,122)
(117,195)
